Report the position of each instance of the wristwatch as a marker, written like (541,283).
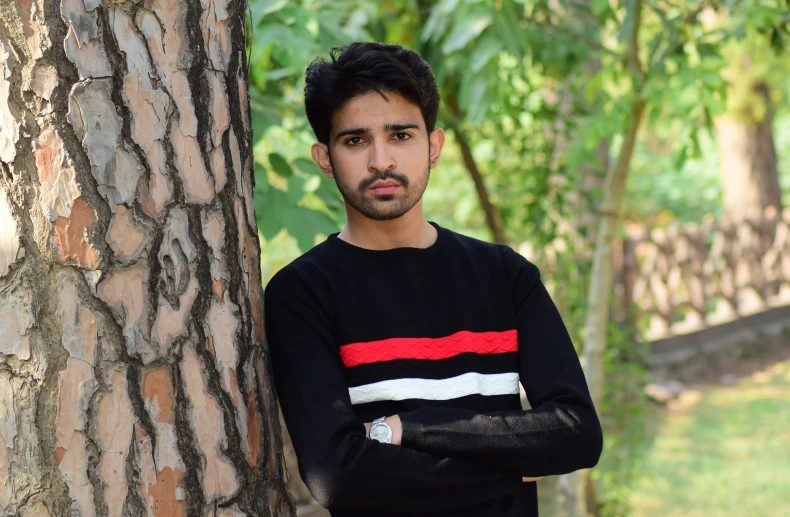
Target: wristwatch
(380,431)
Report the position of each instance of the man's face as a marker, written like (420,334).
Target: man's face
(380,155)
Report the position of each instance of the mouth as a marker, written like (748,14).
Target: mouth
(384,187)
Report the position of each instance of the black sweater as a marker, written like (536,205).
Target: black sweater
(440,336)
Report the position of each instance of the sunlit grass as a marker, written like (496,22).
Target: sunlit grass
(728,455)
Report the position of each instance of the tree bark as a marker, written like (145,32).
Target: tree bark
(134,377)
(750,182)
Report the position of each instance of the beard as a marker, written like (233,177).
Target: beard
(383,207)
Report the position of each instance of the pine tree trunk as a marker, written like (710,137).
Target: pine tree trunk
(134,378)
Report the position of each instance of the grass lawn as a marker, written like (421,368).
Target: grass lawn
(722,451)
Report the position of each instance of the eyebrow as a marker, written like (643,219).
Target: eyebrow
(356,131)
(401,127)
(352,131)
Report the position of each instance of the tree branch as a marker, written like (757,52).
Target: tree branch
(493,217)
(591,42)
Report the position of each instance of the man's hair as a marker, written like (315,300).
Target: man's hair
(360,68)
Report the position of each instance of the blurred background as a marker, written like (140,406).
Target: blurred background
(639,153)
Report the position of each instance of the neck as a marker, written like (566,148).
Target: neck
(411,230)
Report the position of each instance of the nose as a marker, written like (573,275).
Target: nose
(380,159)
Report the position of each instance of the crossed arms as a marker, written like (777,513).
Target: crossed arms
(448,458)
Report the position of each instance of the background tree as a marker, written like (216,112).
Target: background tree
(530,90)
(744,134)
(134,377)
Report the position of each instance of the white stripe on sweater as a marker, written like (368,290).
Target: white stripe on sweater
(437,389)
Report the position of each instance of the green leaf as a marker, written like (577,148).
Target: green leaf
(307,166)
(280,166)
(696,150)
(327,189)
(627,27)
(297,188)
(711,79)
(488,46)
(304,224)
(276,210)
(469,28)
(261,179)
(709,125)
(708,49)
(271,210)
(261,56)
(681,157)
(507,25)
(599,7)
(473,88)
(331,34)
(294,45)
(275,74)
(264,113)
(438,21)
(260,8)
(329,194)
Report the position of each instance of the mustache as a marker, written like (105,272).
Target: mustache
(395,176)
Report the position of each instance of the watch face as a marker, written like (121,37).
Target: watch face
(380,433)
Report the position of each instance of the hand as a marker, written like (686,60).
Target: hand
(395,424)
(530,480)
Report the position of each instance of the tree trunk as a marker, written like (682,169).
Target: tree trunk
(134,378)
(750,182)
(575,491)
(580,500)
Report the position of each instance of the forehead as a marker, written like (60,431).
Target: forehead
(373,111)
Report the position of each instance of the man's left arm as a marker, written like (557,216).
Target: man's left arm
(560,434)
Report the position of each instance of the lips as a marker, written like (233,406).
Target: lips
(384,187)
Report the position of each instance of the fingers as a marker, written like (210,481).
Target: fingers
(530,480)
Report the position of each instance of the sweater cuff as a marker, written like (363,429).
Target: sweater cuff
(412,432)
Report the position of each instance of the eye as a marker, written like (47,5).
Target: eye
(354,140)
(402,137)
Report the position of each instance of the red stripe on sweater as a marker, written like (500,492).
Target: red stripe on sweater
(429,348)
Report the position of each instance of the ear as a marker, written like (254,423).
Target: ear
(320,154)
(437,142)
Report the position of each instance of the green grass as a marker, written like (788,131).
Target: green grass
(728,455)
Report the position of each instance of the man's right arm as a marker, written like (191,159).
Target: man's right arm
(339,465)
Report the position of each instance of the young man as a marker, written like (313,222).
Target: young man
(398,345)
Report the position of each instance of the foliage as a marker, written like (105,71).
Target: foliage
(623,415)
(291,193)
(509,72)
(535,88)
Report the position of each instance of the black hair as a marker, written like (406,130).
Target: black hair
(363,67)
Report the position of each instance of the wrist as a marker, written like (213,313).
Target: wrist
(397,428)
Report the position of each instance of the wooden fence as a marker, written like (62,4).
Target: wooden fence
(709,293)
(699,294)
(701,275)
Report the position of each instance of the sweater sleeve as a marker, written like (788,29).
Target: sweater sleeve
(341,467)
(560,434)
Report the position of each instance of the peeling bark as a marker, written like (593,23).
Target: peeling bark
(133,370)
